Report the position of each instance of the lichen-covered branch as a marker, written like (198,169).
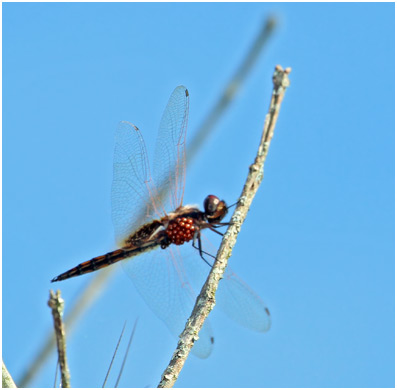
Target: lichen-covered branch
(56,304)
(206,299)
(6,378)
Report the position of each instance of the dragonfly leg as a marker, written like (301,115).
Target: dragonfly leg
(215,231)
(222,224)
(232,205)
(200,249)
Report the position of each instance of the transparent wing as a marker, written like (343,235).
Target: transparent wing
(136,195)
(169,157)
(169,281)
(132,204)
(160,278)
(234,297)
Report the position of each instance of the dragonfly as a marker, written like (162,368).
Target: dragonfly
(152,242)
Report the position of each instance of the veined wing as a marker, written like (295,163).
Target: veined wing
(240,303)
(136,195)
(170,280)
(234,297)
(132,204)
(160,278)
(169,157)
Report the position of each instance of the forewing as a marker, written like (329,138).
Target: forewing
(169,158)
(132,204)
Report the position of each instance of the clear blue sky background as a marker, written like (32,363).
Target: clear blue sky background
(318,244)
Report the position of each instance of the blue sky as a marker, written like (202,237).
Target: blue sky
(318,243)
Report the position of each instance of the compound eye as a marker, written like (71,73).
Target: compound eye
(211,203)
(214,208)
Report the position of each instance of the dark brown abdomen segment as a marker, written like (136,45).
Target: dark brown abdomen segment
(102,261)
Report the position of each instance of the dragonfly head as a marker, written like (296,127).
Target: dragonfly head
(214,209)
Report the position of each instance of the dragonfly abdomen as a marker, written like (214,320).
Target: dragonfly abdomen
(103,261)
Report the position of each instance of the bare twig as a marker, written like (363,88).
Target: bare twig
(206,300)
(56,303)
(6,379)
(89,295)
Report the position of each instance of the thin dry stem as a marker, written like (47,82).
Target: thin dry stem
(233,86)
(114,355)
(206,300)
(56,303)
(126,354)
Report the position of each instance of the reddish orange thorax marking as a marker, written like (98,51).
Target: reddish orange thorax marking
(181,230)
